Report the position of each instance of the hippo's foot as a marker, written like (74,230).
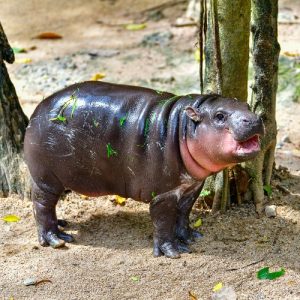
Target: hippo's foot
(55,239)
(187,234)
(170,249)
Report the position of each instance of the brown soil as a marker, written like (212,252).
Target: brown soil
(111,258)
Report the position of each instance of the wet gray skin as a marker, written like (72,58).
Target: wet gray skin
(98,138)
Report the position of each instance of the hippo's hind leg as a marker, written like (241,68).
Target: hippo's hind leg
(185,204)
(44,207)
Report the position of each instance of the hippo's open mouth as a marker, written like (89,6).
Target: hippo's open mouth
(249,146)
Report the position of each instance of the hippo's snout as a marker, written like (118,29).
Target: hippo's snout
(245,126)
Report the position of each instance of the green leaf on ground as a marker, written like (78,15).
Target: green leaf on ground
(198,223)
(135,278)
(11,218)
(218,286)
(19,50)
(135,27)
(264,273)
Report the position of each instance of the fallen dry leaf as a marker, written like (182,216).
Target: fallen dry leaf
(98,76)
(48,36)
(192,296)
(118,200)
(23,60)
(11,218)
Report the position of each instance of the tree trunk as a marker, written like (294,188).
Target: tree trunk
(13,123)
(226,62)
(265,54)
(227,48)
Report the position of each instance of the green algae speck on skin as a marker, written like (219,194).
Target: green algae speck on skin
(74,105)
(165,101)
(110,151)
(147,127)
(60,117)
(95,123)
(122,120)
(153,194)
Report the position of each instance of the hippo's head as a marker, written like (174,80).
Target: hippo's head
(219,133)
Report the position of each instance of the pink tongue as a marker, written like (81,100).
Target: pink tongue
(249,145)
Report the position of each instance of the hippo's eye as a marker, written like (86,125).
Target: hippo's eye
(220,117)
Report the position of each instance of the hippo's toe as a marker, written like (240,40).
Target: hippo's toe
(65,236)
(169,250)
(187,235)
(55,239)
(182,247)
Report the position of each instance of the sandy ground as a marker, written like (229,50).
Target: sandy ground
(111,258)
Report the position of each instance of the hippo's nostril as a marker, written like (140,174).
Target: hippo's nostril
(246,121)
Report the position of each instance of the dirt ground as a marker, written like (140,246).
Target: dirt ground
(111,258)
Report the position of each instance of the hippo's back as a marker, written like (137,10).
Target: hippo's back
(94,138)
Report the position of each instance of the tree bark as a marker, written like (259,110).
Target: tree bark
(265,53)
(228,34)
(226,63)
(13,123)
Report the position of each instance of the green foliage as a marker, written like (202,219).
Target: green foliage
(205,193)
(268,190)
(19,50)
(289,76)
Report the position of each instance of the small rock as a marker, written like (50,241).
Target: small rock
(225,293)
(157,38)
(270,211)
(286,139)
(30,281)
(286,15)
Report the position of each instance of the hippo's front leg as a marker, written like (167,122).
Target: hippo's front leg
(44,207)
(185,204)
(164,212)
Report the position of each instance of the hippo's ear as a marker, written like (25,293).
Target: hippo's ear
(193,114)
